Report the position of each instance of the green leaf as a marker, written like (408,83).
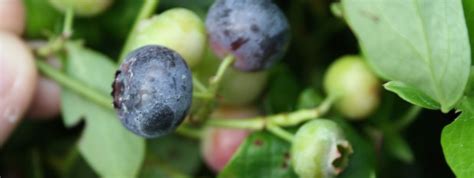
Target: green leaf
(412,95)
(470,83)
(106,145)
(261,155)
(362,161)
(422,43)
(468,6)
(171,156)
(457,141)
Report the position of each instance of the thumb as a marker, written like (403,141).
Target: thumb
(17,82)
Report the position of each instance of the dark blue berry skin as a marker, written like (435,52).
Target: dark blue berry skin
(256,32)
(152,91)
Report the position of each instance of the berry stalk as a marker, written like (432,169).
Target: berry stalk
(280,132)
(74,85)
(273,123)
(58,42)
(214,84)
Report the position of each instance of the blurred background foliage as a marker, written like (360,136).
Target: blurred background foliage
(47,149)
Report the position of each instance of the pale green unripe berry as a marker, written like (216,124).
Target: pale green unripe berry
(178,29)
(355,86)
(85,8)
(242,88)
(320,150)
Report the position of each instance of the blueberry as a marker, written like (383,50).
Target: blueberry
(152,91)
(256,32)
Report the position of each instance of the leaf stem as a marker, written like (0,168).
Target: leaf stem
(256,123)
(208,103)
(69,160)
(93,95)
(68,22)
(74,85)
(188,131)
(408,117)
(280,132)
(201,95)
(281,120)
(146,11)
(198,84)
(216,80)
(36,164)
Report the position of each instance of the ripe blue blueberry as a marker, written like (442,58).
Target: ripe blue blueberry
(256,32)
(152,91)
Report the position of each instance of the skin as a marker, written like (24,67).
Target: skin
(12,15)
(219,144)
(256,32)
(46,100)
(152,91)
(18,78)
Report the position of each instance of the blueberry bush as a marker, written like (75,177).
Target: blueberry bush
(238,88)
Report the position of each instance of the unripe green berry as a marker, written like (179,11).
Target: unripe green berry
(355,86)
(178,29)
(320,150)
(242,88)
(85,8)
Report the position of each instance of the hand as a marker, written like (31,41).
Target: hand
(20,85)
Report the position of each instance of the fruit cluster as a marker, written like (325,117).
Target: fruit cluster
(153,87)
(157,88)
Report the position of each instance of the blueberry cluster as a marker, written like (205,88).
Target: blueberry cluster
(153,88)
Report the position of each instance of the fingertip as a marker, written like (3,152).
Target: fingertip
(18,78)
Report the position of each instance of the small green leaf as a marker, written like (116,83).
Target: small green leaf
(397,146)
(412,95)
(336,9)
(261,155)
(457,141)
(422,43)
(106,145)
